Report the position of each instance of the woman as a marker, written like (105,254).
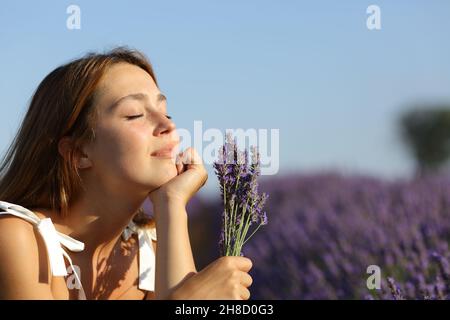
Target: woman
(95,143)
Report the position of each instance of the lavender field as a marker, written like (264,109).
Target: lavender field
(324,230)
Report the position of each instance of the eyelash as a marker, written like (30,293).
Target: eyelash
(140,115)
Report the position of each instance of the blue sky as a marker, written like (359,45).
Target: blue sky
(311,69)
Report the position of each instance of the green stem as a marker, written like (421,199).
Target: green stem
(232,228)
(236,203)
(225,214)
(229,230)
(238,236)
(247,225)
(240,226)
(252,233)
(233,215)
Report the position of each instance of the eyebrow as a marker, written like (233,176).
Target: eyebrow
(139,97)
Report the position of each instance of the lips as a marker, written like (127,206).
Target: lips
(167,151)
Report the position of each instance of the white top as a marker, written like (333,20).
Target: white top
(54,241)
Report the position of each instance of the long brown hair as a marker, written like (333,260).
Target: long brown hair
(32,172)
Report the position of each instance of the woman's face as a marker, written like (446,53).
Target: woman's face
(131,126)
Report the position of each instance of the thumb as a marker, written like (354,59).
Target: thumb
(190,158)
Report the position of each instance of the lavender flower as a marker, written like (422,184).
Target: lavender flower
(241,200)
(396,293)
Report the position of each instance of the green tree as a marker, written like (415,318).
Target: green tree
(427,134)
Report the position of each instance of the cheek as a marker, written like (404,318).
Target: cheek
(125,154)
(122,147)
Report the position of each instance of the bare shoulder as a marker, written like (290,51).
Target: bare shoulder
(12,225)
(24,268)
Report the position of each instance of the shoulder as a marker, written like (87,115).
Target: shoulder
(17,237)
(14,227)
(24,268)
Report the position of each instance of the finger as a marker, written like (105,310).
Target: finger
(243,263)
(179,164)
(245,293)
(191,157)
(179,158)
(246,280)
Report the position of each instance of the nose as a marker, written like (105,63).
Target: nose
(165,125)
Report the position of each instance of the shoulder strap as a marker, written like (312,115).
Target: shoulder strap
(52,239)
(147,261)
(19,211)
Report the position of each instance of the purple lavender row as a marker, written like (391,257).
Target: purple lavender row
(328,228)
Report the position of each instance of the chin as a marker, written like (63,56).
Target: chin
(166,174)
(161,173)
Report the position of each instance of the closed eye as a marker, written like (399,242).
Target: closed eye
(140,115)
(133,117)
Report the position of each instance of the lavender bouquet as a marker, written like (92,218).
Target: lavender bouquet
(241,201)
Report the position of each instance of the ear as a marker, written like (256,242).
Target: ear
(82,160)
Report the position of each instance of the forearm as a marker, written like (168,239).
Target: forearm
(174,259)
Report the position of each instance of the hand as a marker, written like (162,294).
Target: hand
(226,278)
(191,177)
